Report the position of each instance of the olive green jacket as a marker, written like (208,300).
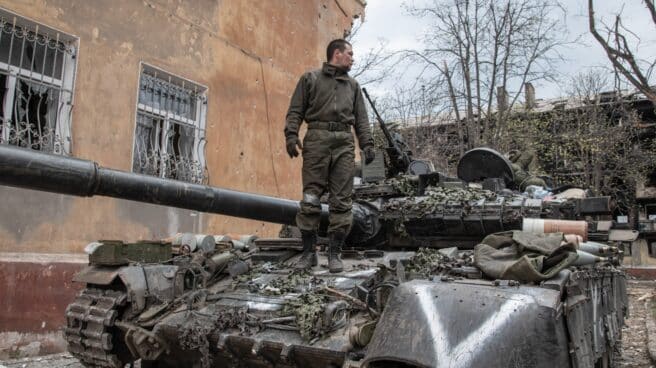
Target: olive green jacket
(329,94)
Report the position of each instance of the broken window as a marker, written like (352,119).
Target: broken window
(169,140)
(37,68)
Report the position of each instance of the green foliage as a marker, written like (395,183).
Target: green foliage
(596,147)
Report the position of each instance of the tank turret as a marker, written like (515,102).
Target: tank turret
(409,211)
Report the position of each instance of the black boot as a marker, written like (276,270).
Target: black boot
(336,241)
(309,257)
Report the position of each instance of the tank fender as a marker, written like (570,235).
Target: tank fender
(96,275)
(139,282)
(136,285)
(452,324)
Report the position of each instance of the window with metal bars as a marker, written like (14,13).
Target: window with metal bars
(169,139)
(37,71)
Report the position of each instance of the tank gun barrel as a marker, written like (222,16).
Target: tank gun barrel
(35,170)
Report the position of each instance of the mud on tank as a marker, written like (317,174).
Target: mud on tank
(412,293)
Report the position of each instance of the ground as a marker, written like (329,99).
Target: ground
(634,334)
(634,337)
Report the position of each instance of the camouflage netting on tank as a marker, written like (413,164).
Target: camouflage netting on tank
(295,281)
(429,261)
(435,196)
(308,309)
(194,334)
(426,261)
(254,273)
(455,194)
(403,184)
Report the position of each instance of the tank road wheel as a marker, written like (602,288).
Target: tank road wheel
(90,332)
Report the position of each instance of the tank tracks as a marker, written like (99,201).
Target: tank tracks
(90,327)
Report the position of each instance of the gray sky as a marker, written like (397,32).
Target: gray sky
(387,20)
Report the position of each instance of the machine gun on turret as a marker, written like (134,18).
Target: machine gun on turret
(400,158)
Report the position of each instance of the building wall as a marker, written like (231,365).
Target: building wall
(249,53)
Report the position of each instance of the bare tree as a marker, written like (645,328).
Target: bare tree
(374,65)
(621,54)
(486,48)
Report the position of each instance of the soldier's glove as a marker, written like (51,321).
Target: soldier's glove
(292,142)
(369,155)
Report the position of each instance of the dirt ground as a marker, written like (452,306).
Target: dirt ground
(634,335)
(634,352)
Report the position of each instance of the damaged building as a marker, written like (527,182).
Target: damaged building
(189,90)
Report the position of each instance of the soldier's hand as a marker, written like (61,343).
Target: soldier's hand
(293,142)
(369,155)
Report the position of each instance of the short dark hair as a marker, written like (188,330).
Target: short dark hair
(338,44)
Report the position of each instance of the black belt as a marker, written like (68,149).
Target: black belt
(332,126)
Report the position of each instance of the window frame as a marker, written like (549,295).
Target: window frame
(64,86)
(199,124)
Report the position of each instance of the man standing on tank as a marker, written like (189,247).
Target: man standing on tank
(330,102)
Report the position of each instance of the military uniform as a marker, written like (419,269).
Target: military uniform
(330,101)
(524,164)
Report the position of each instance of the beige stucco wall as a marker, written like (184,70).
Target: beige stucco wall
(249,53)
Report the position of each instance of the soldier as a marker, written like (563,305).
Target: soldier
(523,165)
(330,102)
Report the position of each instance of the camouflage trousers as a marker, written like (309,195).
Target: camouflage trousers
(328,163)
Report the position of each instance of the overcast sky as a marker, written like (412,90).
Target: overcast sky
(387,20)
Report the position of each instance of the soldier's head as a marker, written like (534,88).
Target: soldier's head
(340,53)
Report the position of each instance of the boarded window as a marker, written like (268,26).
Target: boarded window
(169,138)
(37,69)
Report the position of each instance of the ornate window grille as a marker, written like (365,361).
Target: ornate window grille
(169,140)
(37,70)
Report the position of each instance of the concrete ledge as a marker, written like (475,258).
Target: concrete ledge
(35,290)
(43,258)
(14,345)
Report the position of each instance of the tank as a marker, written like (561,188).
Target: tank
(412,293)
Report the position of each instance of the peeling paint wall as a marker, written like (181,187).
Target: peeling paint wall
(249,53)
(31,321)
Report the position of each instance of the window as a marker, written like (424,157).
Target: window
(37,68)
(169,140)
(652,248)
